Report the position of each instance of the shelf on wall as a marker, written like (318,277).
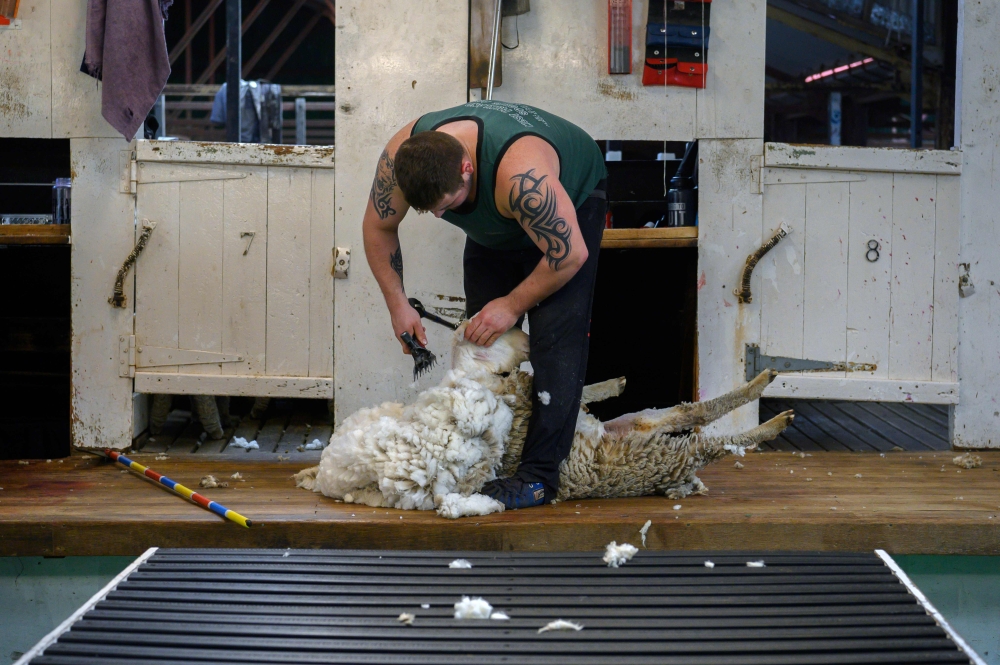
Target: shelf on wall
(34,234)
(678,236)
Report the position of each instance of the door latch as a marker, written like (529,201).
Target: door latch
(757,362)
(341,262)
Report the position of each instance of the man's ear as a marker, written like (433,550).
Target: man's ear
(467,166)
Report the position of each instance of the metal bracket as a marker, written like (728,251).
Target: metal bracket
(341,262)
(965,286)
(756,362)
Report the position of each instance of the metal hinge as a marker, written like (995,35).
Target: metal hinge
(132,356)
(757,362)
(128,171)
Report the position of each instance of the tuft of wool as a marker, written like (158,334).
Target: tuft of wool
(644,530)
(240,442)
(472,608)
(500,616)
(460,563)
(560,624)
(677,507)
(210,481)
(238,476)
(755,564)
(544,397)
(454,505)
(615,554)
(425,606)
(315,444)
(406,619)
(735,449)
(738,464)
(709,564)
(286,555)
(968,461)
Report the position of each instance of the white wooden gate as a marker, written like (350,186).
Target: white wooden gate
(234,290)
(868,273)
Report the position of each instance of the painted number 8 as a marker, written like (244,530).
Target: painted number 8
(872,253)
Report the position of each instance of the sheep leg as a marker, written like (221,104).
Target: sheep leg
(691,414)
(158,413)
(597,392)
(714,447)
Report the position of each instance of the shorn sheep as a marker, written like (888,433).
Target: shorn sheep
(437,453)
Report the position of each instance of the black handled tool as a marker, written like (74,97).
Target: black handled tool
(423,359)
(419,306)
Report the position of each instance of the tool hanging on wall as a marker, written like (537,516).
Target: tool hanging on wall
(677,33)
(619,36)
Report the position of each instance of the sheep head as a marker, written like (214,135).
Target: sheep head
(504,355)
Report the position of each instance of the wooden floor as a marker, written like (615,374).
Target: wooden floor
(859,426)
(904,502)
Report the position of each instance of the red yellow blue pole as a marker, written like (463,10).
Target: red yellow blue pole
(201,500)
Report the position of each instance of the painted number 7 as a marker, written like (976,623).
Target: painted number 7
(247,234)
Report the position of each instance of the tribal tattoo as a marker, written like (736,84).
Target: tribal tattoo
(383,186)
(534,202)
(396,261)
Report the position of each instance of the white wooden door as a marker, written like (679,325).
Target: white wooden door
(868,273)
(234,290)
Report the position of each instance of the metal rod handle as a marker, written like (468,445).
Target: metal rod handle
(493,49)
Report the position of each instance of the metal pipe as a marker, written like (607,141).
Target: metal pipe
(917,76)
(493,49)
(234,58)
(300,121)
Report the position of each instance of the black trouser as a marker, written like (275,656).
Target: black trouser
(560,338)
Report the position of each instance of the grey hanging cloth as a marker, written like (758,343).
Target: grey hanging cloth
(127,51)
(270,112)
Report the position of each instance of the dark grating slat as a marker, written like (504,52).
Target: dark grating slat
(335,606)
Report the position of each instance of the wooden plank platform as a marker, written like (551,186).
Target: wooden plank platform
(903,502)
(678,236)
(34,234)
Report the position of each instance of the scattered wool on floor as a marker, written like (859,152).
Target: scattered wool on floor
(968,461)
(500,616)
(240,442)
(755,564)
(738,464)
(615,555)
(315,444)
(709,564)
(472,608)
(238,476)
(644,530)
(210,481)
(425,606)
(560,624)
(406,619)
(455,505)
(460,563)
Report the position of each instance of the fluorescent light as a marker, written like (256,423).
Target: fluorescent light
(838,70)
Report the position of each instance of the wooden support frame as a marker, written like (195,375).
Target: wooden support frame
(294,46)
(279,27)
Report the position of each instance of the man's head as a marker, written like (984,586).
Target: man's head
(433,171)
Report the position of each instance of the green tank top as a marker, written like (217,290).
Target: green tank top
(581,163)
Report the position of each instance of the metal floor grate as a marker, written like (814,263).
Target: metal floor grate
(329,606)
(835,426)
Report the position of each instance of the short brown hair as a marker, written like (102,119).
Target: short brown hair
(428,166)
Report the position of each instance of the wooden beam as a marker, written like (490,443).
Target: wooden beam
(275,33)
(221,55)
(189,34)
(838,38)
(294,46)
(34,234)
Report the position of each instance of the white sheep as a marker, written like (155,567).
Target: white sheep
(438,452)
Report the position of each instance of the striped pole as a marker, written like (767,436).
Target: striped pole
(202,501)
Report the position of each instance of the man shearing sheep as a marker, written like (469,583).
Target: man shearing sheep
(528,188)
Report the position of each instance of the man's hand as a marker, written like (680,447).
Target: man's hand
(495,319)
(406,319)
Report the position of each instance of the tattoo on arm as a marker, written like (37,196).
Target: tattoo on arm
(396,261)
(383,186)
(534,202)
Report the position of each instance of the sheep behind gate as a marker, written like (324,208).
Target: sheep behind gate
(438,452)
